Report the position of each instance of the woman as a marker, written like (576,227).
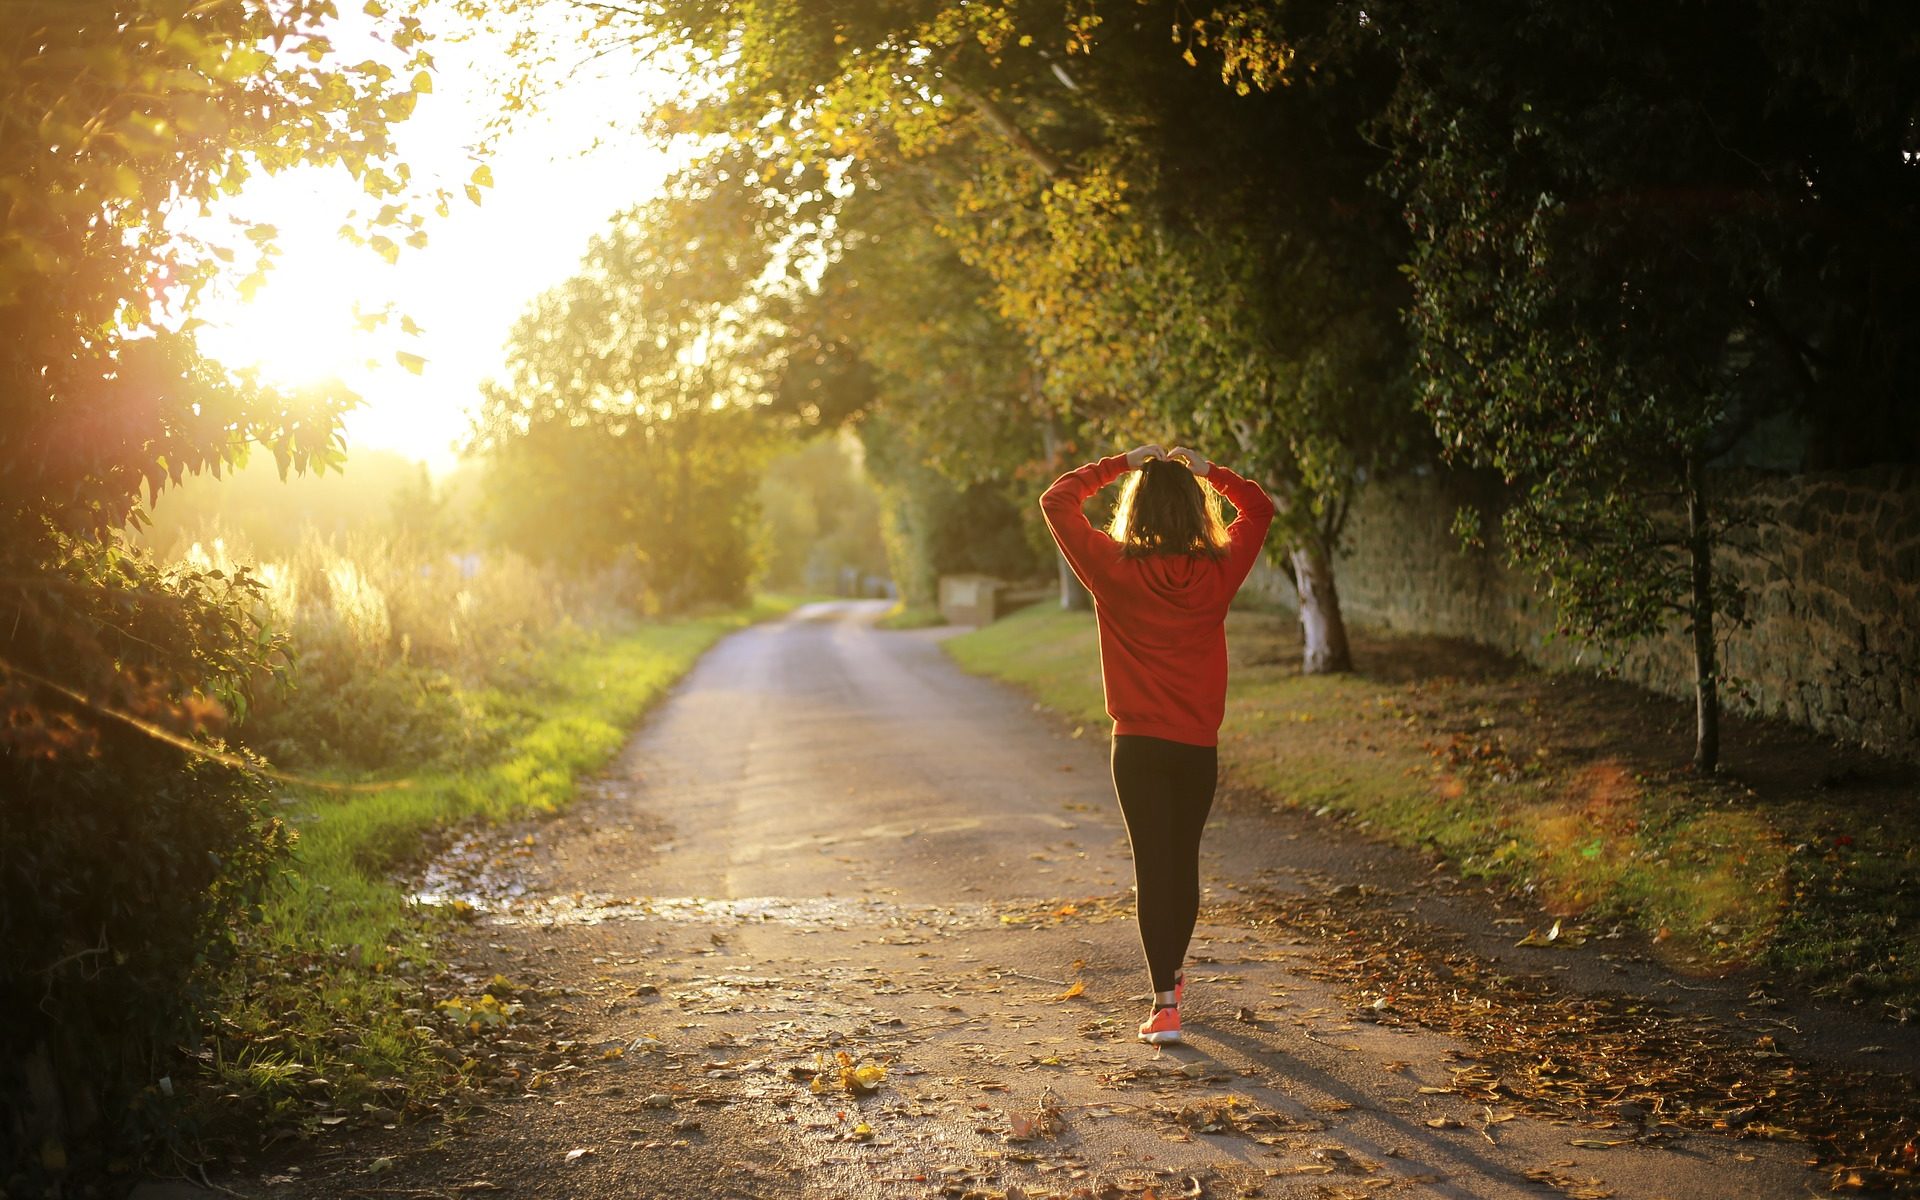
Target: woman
(1161,579)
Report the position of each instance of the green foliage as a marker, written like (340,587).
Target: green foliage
(1129,249)
(820,515)
(393,647)
(630,397)
(1619,272)
(950,411)
(124,858)
(123,877)
(935,527)
(953,378)
(110,122)
(1207,260)
(125,854)
(1610,273)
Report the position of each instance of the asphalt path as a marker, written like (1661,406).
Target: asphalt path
(829,840)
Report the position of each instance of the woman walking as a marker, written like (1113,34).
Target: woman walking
(1161,578)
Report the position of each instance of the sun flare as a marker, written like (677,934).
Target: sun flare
(304,324)
(417,336)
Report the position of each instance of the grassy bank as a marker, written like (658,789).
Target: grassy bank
(1800,858)
(905,616)
(330,1014)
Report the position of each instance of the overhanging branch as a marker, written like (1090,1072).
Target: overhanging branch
(1003,124)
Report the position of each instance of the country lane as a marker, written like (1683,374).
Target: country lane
(828,840)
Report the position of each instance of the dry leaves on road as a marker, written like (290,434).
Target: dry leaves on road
(1615,1062)
(1571,1186)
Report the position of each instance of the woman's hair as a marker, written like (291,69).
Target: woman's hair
(1164,510)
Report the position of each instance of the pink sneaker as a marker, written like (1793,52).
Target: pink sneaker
(1179,985)
(1162,1027)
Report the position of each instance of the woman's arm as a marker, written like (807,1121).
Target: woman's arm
(1087,550)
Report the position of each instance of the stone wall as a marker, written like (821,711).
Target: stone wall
(1833,585)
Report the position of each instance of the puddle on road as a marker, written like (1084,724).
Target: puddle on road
(826,912)
(515,906)
(474,872)
(479,874)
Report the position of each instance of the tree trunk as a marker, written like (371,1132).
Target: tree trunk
(1320,620)
(1073,596)
(1706,666)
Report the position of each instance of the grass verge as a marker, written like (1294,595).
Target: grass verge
(1796,860)
(905,616)
(330,1014)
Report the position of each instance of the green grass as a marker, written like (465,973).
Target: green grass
(329,1001)
(1490,775)
(905,616)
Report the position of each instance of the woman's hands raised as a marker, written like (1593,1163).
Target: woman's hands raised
(1193,459)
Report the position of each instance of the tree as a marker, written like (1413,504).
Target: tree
(1632,241)
(936,526)
(1219,261)
(116,122)
(1068,151)
(952,425)
(118,675)
(624,428)
(113,122)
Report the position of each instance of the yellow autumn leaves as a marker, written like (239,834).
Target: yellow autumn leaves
(475,1013)
(854,1077)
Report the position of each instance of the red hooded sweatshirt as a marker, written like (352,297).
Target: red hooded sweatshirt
(1163,637)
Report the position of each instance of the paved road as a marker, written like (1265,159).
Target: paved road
(829,839)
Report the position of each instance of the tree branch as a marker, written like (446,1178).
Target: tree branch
(990,111)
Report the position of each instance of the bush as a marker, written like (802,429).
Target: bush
(121,878)
(125,854)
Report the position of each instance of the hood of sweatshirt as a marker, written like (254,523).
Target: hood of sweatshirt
(1185,581)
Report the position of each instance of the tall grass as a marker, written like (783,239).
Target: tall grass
(394,649)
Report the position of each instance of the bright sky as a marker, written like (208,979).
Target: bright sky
(554,188)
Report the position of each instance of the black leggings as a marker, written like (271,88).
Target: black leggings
(1166,791)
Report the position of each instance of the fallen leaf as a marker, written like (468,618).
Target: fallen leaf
(858,1078)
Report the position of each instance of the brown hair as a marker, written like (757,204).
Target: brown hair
(1164,510)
